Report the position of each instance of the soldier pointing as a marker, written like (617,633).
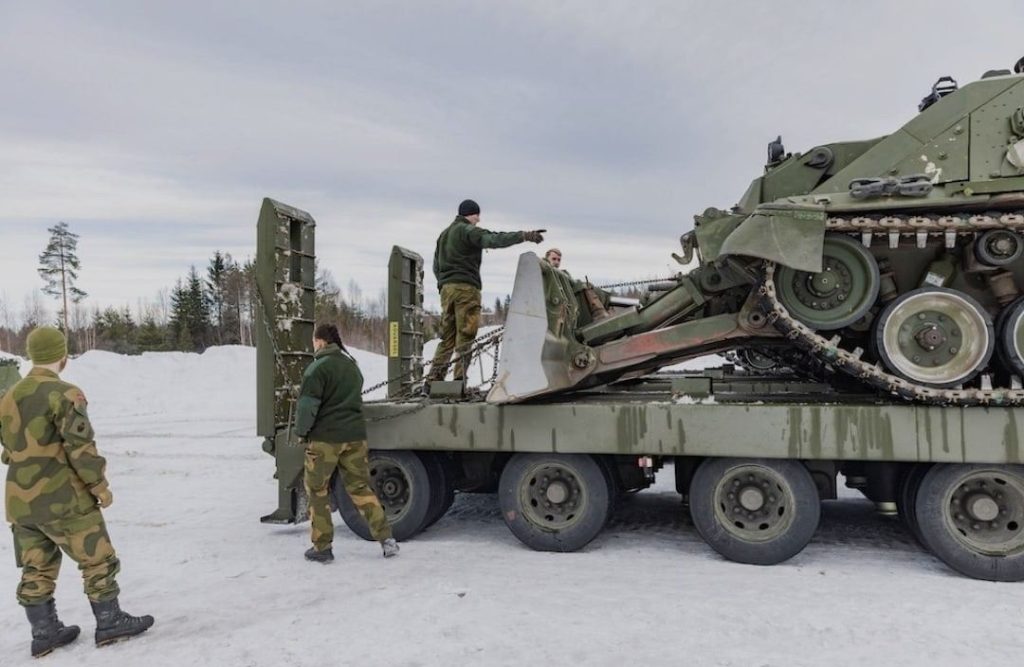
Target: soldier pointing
(457,269)
(56,485)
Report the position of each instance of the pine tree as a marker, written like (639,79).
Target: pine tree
(151,335)
(190,315)
(59,266)
(216,279)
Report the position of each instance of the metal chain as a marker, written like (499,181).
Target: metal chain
(828,350)
(478,345)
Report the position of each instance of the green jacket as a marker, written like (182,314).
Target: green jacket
(460,248)
(330,405)
(54,469)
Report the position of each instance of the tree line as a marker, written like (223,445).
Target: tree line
(215,306)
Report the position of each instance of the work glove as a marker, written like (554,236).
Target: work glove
(103,496)
(536,235)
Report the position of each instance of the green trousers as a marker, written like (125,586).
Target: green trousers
(460,318)
(351,461)
(37,551)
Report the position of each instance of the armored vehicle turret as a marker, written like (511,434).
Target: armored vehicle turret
(895,262)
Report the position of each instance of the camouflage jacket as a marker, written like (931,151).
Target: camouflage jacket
(54,468)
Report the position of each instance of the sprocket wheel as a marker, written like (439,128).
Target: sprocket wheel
(838,295)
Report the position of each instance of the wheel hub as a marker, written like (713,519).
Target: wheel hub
(754,503)
(986,513)
(553,496)
(558,492)
(392,488)
(751,498)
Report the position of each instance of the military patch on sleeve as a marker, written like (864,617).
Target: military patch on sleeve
(78,426)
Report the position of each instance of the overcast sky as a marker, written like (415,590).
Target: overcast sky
(155,129)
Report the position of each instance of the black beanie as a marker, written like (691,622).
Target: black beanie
(469,207)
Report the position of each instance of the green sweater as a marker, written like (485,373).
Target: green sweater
(460,248)
(330,405)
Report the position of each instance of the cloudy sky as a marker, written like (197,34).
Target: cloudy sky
(155,129)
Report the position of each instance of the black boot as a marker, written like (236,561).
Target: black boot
(113,625)
(325,556)
(48,632)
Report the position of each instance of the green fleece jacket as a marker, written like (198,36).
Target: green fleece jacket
(330,405)
(460,249)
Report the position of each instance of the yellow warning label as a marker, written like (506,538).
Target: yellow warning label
(393,339)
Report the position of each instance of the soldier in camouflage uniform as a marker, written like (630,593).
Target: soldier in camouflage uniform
(56,485)
(457,269)
(330,421)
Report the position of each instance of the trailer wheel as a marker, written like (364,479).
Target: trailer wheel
(442,487)
(554,502)
(972,518)
(402,485)
(757,511)
(906,503)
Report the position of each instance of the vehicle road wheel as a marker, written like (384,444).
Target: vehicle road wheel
(1010,331)
(907,500)
(934,336)
(757,511)
(837,296)
(402,484)
(442,487)
(554,502)
(972,518)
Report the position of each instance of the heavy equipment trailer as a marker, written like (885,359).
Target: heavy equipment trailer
(753,454)
(871,291)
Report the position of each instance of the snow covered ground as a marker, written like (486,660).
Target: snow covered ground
(190,483)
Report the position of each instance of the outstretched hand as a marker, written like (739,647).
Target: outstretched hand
(535,235)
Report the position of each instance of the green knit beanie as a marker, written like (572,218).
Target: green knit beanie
(46,345)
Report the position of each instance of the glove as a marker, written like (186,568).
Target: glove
(103,496)
(535,235)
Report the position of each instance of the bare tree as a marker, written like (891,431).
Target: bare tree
(6,321)
(34,313)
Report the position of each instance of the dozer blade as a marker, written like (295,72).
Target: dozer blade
(533,361)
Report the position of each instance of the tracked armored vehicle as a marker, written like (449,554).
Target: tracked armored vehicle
(868,291)
(896,261)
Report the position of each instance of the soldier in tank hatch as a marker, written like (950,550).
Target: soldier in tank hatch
(56,487)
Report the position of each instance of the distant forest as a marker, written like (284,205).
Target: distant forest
(215,306)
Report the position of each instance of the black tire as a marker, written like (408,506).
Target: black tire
(442,487)
(791,509)
(962,546)
(402,484)
(530,480)
(906,503)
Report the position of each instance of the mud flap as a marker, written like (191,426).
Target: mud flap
(791,237)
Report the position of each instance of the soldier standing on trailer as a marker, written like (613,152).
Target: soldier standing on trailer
(56,485)
(330,422)
(457,269)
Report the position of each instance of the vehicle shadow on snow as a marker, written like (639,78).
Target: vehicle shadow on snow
(850,523)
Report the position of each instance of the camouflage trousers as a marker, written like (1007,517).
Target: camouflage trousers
(460,318)
(37,551)
(350,460)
